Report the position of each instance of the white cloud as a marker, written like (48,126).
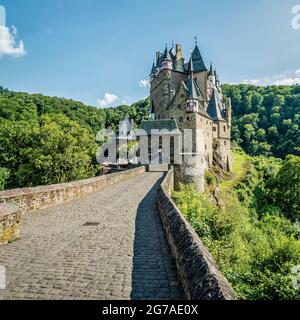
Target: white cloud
(252,81)
(144,83)
(287,82)
(8,45)
(107,101)
(287,78)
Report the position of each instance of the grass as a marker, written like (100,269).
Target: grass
(241,166)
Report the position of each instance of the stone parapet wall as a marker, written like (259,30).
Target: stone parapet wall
(10,223)
(28,199)
(197,270)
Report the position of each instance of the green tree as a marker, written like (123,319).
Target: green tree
(286,187)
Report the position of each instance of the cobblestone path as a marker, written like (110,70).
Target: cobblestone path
(126,256)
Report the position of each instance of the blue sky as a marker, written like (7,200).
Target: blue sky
(96,50)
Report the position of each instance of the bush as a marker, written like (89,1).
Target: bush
(4,174)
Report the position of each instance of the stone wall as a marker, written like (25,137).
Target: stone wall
(10,223)
(28,199)
(198,272)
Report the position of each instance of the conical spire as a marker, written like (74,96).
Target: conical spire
(216,76)
(214,107)
(198,61)
(211,71)
(167,56)
(153,70)
(191,67)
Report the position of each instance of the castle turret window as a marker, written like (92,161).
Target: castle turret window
(192,106)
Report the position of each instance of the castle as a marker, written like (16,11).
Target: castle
(187,95)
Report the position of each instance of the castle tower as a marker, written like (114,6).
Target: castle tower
(188,96)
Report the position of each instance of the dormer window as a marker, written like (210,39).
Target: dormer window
(192,106)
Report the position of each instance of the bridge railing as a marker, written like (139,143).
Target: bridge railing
(10,223)
(28,199)
(197,270)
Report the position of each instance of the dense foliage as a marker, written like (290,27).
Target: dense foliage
(252,238)
(46,140)
(266,120)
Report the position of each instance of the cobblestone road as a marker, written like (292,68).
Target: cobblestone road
(125,257)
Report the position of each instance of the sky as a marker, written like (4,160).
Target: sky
(100,52)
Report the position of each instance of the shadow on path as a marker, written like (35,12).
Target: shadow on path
(154,275)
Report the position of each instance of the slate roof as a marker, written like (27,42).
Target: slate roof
(166,56)
(193,90)
(153,70)
(215,107)
(211,71)
(168,124)
(152,108)
(199,65)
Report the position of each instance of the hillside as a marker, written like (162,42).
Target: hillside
(254,234)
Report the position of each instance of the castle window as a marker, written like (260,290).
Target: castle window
(225,143)
(214,129)
(205,147)
(224,128)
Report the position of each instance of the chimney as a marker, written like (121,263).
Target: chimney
(179,54)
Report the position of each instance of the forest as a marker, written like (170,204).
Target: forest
(266,120)
(48,140)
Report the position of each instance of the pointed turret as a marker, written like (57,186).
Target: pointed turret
(217,77)
(194,93)
(153,70)
(191,68)
(167,56)
(198,61)
(171,52)
(215,107)
(166,62)
(211,71)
